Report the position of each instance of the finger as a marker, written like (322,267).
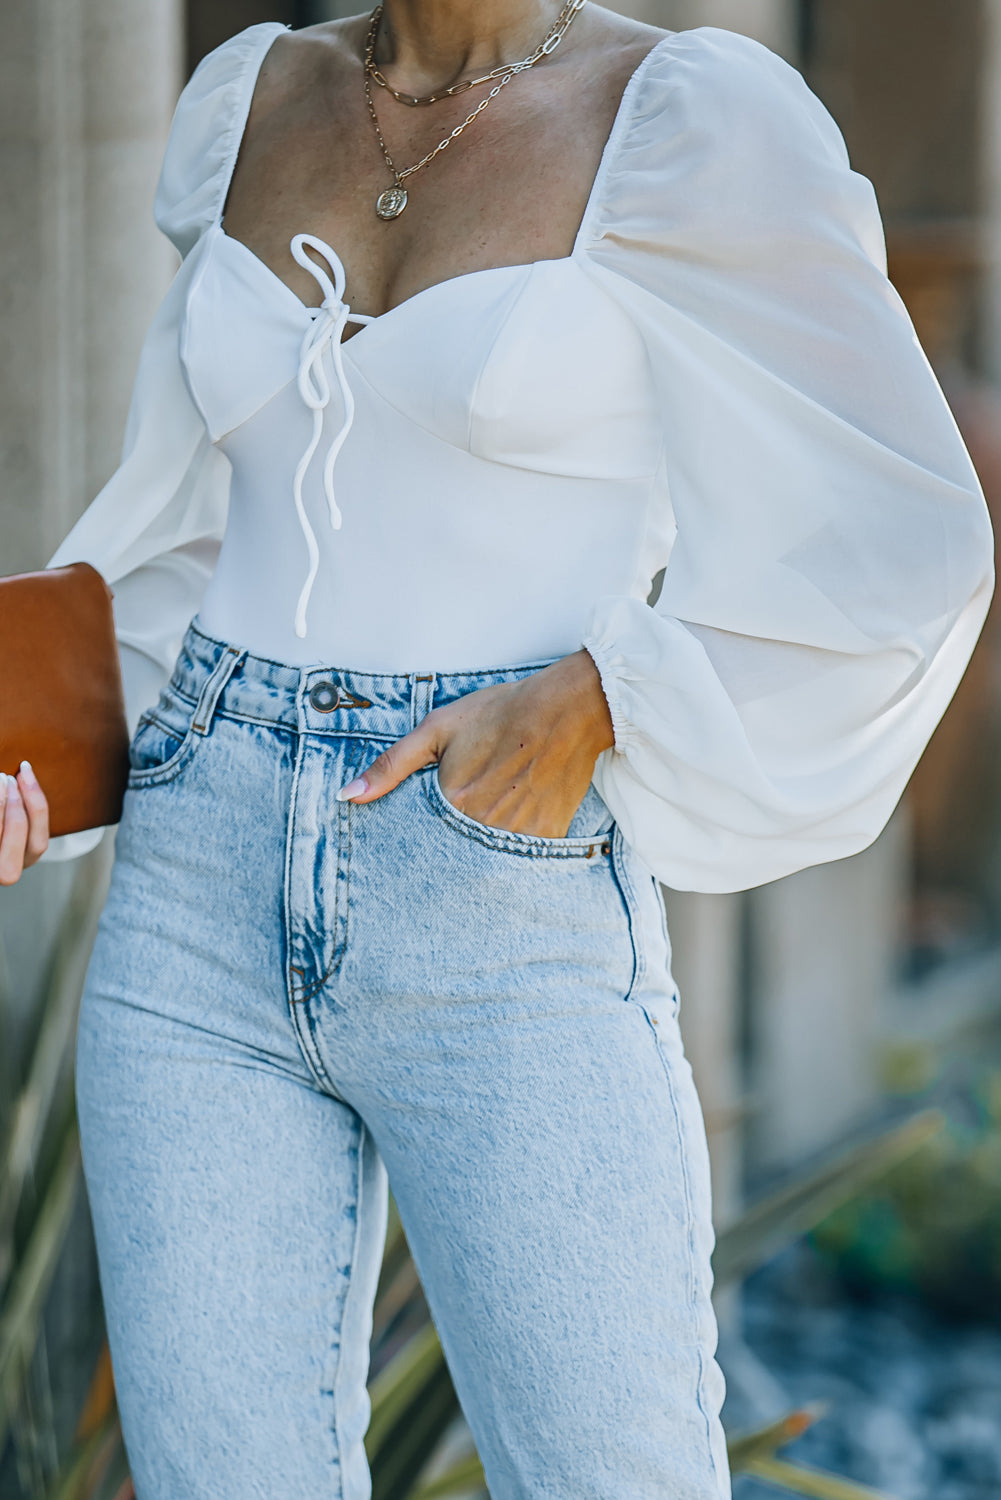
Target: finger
(14,836)
(37,806)
(416,749)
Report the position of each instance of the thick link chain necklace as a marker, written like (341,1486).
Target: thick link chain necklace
(393,200)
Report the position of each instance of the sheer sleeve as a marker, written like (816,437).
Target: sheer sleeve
(205,135)
(155,529)
(832,560)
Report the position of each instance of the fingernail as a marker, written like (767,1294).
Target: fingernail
(13,790)
(3,787)
(28,773)
(353,789)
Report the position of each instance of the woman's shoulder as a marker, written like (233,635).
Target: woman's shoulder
(717,129)
(708,88)
(205,132)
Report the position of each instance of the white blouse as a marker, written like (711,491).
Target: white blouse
(829,558)
(448,491)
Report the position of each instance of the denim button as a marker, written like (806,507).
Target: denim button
(324,696)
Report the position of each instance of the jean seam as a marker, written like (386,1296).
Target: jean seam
(342,1317)
(631,904)
(658,896)
(345,823)
(690,1216)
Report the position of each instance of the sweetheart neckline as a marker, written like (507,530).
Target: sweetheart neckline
(619,121)
(373,320)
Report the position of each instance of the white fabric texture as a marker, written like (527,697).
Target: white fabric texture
(829,553)
(461,483)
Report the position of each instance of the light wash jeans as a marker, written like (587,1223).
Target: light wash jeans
(289,997)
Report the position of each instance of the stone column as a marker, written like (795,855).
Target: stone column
(87,88)
(131,77)
(706,937)
(824,948)
(990,349)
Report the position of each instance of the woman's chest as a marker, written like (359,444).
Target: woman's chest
(532,365)
(511,187)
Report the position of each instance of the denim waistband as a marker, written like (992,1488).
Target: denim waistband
(221,677)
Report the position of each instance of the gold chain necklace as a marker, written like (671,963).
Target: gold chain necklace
(393,200)
(562,22)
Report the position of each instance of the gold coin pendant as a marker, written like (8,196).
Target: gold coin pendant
(391,203)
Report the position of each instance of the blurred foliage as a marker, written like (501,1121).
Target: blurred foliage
(415,1419)
(931,1227)
(40,1179)
(780,1217)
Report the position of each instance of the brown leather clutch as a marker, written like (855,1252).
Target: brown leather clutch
(63,706)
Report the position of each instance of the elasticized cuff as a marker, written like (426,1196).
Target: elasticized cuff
(605,658)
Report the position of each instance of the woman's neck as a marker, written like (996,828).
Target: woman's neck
(428,43)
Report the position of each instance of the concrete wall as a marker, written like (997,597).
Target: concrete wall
(87,88)
(770,21)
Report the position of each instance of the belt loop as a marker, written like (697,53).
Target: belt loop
(212,687)
(422,697)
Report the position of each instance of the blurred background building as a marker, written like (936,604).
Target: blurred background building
(808,1004)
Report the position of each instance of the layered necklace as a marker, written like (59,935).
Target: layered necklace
(393,200)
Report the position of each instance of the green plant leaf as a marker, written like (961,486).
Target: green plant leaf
(33,1109)
(411,1443)
(814,1483)
(400,1289)
(786,1214)
(80,1479)
(21,1316)
(743,1448)
(464,1476)
(397,1386)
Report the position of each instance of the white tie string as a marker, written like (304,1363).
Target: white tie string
(325,332)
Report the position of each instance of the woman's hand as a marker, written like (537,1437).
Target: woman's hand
(24,823)
(518,756)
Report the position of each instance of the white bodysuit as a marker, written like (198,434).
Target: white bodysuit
(492,452)
(719,380)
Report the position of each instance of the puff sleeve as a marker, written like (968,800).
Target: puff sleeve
(832,560)
(155,529)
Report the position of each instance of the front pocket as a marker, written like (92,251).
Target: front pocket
(163,743)
(589,845)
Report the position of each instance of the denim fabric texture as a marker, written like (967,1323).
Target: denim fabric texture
(289,998)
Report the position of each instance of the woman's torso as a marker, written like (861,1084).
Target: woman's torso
(492,449)
(500,471)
